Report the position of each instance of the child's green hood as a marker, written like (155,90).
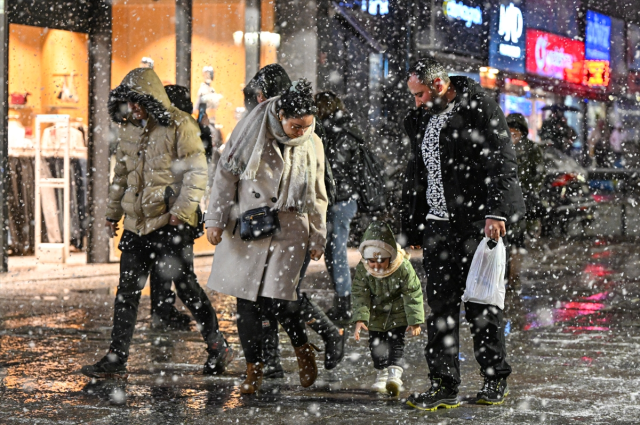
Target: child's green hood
(379,234)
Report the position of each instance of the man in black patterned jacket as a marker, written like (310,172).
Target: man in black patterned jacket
(461,182)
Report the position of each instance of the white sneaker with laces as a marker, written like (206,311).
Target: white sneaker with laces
(381,381)
(394,383)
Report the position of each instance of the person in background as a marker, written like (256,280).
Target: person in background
(531,176)
(616,141)
(269,82)
(341,147)
(556,131)
(600,146)
(164,314)
(387,302)
(159,179)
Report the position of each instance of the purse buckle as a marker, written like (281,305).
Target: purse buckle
(256,215)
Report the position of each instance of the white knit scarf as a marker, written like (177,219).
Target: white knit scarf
(246,145)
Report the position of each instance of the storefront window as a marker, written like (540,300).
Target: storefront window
(218,46)
(144,35)
(214,48)
(48,75)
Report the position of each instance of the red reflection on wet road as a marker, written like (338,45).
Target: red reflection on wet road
(597,297)
(590,307)
(597,270)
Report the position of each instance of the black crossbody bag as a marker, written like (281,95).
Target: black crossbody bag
(258,223)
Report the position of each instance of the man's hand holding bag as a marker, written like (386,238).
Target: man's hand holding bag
(485,281)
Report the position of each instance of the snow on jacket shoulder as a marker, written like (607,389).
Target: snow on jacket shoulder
(161,168)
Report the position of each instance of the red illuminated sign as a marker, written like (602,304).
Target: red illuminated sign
(596,73)
(553,56)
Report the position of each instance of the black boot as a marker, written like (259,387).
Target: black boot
(341,310)
(493,391)
(170,319)
(110,366)
(270,350)
(220,355)
(331,335)
(439,395)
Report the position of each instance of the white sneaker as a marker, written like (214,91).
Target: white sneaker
(381,381)
(394,383)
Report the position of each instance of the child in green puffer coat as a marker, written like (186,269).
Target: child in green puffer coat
(387,301)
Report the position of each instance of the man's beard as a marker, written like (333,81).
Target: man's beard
(438,103)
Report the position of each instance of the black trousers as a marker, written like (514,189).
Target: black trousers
(162,297)
(250,314)
(387,348)
(447,259)
(170,249)
(270,326)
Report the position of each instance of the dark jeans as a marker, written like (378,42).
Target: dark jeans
(162,297)
(170,249)
(447,258)
(387,347)
(287,313)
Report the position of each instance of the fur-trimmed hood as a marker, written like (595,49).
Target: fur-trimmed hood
(380,235)
(142,86)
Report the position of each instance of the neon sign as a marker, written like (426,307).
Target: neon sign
(459,11)
(376,7)
(554,56)
(596,73)
(510,28)
(598,37)
(372,7)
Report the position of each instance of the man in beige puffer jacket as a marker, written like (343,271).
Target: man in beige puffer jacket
(160,177)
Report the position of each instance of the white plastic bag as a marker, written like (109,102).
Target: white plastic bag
(485,282)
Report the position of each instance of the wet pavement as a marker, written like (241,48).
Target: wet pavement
(573,338)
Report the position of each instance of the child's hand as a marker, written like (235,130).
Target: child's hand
(414,330)
(359,327)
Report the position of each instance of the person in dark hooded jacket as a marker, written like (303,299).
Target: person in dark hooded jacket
(461,179)
(270,81)
(531,176)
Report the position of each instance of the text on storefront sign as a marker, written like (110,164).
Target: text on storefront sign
(510,28)
(460,11)
(550,55)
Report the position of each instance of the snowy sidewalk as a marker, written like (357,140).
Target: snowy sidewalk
(27,269)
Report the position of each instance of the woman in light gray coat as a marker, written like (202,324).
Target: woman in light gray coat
(274,160)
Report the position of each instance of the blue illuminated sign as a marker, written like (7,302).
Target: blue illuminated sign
(512,104)
(462,12)
(373,7)
(598,37)
(507,44)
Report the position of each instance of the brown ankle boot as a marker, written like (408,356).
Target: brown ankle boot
(252,384)
(307,364)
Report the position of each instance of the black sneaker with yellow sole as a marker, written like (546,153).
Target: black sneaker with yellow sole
(493,391)
(438,395)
